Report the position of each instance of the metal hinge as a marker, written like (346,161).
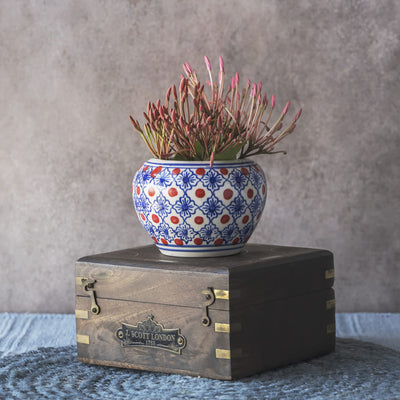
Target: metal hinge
(88,286)
(210,298)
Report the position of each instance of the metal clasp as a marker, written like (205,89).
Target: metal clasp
(88,286)
(210,298)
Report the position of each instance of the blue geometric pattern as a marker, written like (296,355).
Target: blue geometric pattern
(212,207)
(185,204)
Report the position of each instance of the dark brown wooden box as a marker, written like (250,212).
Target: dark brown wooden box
(223,318)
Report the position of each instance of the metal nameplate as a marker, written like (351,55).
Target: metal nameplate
(150,333)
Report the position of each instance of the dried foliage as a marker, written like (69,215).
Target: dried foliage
(218,126)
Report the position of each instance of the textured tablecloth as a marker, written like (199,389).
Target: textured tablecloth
(38,361)
(23,332)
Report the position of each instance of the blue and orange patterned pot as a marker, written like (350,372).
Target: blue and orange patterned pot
(191,209)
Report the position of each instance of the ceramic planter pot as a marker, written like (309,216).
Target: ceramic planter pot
(191,209)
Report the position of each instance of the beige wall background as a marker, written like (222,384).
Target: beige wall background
(71,72)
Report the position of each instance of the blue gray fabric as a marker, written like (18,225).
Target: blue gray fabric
(357,370)
(23,332)
(379,328)
(38,361)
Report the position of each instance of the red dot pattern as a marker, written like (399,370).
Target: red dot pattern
(198,220)
(172,192)
(200,171)
(174,219)
(225,218)
(228,194)
(155,171)
(200,193)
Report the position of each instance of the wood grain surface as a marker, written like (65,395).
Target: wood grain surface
(197,358)
(279,309)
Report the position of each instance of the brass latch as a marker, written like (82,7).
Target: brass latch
(210,298)
(88,286)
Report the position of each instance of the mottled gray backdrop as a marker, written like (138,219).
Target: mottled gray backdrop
(71,72)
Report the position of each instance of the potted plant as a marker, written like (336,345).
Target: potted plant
(200,195)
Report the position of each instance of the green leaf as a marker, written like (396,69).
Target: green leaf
(230,153)
(179,157)
(199,149)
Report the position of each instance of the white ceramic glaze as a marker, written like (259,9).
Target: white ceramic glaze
(191,209)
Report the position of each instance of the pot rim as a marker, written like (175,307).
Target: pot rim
(219,163)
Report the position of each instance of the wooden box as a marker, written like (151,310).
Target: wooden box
(223,318)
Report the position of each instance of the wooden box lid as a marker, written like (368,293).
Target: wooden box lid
(258,274)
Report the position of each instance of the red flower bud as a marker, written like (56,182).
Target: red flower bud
(297,115)
(167,96)
(185,69)
(182,85)
(207,63)
(184,97)
(237,78)
(285,110)
(253,90)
